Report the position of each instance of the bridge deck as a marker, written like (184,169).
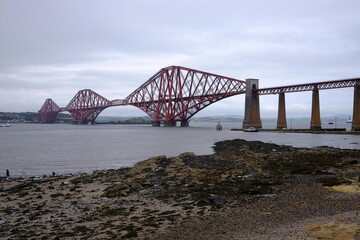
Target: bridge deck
(177,93)
(343,83)
(119,102)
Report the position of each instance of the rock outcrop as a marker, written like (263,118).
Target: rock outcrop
(149,199)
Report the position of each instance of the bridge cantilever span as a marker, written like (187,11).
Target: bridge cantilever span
(49,111)
(177,93)
(87,105)
(173,94)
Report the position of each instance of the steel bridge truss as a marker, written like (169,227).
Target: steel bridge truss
(177,93)
(87,105)
(352,82)
(49,111)
(174,94)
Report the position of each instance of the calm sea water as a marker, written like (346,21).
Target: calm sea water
(37,149)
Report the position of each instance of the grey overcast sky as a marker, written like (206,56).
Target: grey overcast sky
(52,49)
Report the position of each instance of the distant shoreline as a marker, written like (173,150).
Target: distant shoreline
(322,131)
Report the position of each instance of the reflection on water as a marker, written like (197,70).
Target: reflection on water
(36,149)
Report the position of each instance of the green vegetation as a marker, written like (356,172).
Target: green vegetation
(31,117)
(19,117)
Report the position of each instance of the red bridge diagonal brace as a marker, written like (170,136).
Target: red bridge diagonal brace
(177,93)
(49,111)
(87,105)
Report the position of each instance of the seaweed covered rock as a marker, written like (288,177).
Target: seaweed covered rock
(237,168)
(146,200)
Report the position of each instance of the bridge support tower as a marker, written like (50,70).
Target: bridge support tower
(315,111)
(169,123)
(184,123)
(356,110)
(281,121)
(156,123)
(252,105)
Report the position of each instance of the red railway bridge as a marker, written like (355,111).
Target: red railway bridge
(175,94)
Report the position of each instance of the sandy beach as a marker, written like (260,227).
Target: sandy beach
(246,190)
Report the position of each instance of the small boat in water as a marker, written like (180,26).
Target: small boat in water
(5,125)
(349,120)
(250,129)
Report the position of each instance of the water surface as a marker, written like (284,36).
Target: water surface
(37,149)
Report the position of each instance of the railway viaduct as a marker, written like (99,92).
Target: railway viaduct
(175,94)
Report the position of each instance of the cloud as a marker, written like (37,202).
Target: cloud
(55,48)
(112,62)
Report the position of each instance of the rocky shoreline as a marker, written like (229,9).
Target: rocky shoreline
(245,190)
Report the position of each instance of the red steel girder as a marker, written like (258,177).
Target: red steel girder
(49,111)
(174,94)
(86,106)
(343,83)
(177,93)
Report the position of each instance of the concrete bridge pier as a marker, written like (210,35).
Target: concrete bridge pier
(169,123)
(281,121)
(252,105)
(356,110)
(184,123)
(156,123)
(315,111)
